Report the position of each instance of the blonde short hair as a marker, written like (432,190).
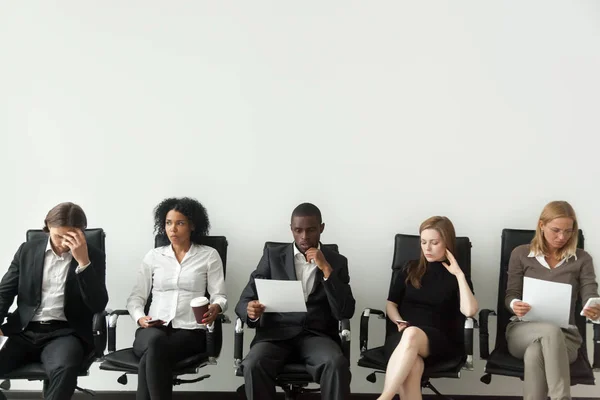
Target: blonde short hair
(553,210)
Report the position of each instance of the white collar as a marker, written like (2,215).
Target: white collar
(168,250)
(537,255)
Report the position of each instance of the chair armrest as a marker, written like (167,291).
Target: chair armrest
(484,336)
(364,326)
(469,326)
(99,332)
(596,359)
(238,343)
(345,337)
(112,328)
(214,340)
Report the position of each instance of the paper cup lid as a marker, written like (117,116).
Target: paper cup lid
(199,302)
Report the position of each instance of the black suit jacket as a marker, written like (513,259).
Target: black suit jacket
(85,293)
(329,302)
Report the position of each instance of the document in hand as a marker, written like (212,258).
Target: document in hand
(549,301)
(3,340)
(280,296)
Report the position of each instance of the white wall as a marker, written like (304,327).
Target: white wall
(382,114)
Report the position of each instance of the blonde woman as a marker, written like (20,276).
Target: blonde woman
(546,349)
(428,302)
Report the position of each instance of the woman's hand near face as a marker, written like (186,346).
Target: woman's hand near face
(452,265)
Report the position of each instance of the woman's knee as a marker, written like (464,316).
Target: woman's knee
(157,342)
(151,344)
(413,337)
(552,332)
(533,355)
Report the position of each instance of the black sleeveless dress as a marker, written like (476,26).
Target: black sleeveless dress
(434,308)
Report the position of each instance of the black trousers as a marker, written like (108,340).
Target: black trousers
(159,348)
(324,361)
(56,346)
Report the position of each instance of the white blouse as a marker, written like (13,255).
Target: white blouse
(174,285)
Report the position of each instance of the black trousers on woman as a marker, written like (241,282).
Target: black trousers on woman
(159,348)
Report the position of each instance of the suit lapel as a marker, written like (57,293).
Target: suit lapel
(288,262)
(38,267)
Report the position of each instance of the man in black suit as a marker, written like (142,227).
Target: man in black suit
(312,337)
(59,283)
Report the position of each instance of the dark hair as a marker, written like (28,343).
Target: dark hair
(307,210)
(193,210)
(444,226)
(65,214)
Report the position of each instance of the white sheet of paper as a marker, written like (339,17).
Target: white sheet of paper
(3,340)
(549,301)
(280,296)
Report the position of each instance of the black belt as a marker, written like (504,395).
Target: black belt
(49,322)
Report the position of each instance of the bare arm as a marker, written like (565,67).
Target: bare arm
(391,310)
(468,302)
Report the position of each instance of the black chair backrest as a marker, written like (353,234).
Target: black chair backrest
(408,248)
(95,237)
(270,245)
(512,238)
(218,243)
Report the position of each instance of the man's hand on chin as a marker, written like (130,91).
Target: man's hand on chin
(314,255)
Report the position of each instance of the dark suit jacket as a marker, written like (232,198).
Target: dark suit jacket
(329,302)
(85,293)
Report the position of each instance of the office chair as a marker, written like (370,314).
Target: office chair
(294,378)
(124,360)
(35,371)
(501,362)
(408,248)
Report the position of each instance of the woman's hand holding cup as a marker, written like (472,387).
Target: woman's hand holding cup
(203,312)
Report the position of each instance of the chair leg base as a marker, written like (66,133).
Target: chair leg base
(428,385)
(178,381)
(487,378)
(89,392)
(122,379)
(291,393)
(2,396)
(241,391)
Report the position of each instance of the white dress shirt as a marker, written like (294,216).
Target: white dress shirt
(174,285)
(542,260)
(56,269)
(305,272)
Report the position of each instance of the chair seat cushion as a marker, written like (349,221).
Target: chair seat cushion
(500,362)
(291,373)
(450,368)
(294,373)
(35,371)
(373,358)
(125,360)
(447,368)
